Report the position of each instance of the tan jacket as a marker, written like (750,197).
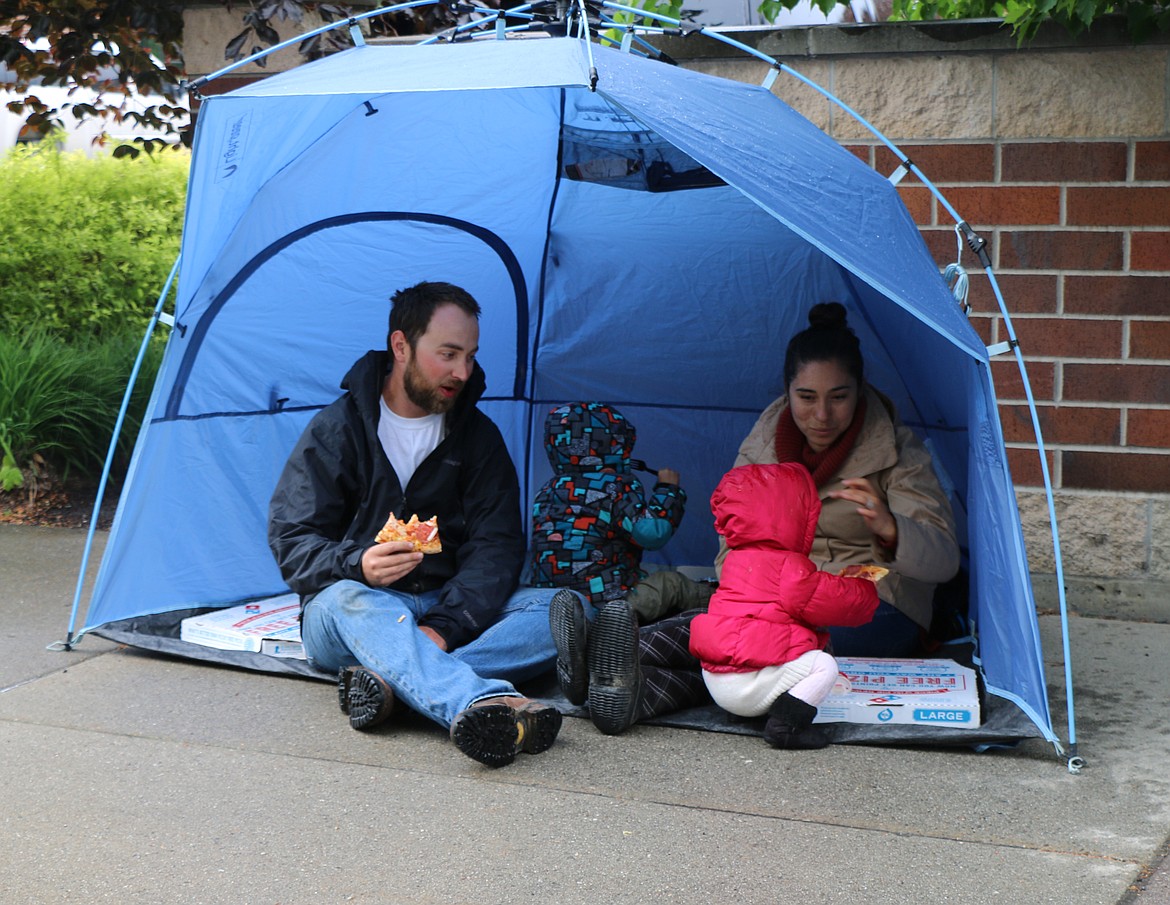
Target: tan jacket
(898,465)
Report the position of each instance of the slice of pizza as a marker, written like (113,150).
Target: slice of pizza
(424,536)
(873,573)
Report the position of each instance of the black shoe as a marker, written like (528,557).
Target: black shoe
(493,732)
(365,696)
(790,725)
(615,675)
(566,619)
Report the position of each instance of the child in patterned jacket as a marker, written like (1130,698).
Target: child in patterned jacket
(591,521)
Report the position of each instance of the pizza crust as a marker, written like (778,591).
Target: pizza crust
(423,536)
(872,573)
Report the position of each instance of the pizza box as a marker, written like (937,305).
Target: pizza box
(244,627)
(286,644)
(923,692)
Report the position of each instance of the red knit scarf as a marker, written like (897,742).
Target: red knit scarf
(791,445)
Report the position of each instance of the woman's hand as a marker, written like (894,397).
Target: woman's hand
(384,564)
(872,508)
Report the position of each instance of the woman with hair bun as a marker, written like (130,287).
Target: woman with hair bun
(881,500)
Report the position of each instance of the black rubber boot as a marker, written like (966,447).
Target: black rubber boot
(790,725)
(566,617)
(615,677)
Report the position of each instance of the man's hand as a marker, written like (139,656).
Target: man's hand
(384,564)
(667,476)
(434,636)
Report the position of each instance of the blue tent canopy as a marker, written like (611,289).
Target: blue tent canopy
(652,242)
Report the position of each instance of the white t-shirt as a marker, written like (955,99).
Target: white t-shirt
(407,441)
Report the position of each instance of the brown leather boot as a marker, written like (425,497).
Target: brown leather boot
(365,696)
(493,731)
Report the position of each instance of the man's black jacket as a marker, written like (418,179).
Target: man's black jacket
(338,488)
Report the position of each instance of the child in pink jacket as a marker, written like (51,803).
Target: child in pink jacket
(762,640)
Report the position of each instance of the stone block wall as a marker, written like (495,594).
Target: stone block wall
(209,27)
(1058,154)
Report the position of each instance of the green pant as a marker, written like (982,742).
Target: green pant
(664,593)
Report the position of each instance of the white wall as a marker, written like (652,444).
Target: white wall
(79,136)
(745,12)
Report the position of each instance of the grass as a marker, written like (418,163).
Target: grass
(59,400)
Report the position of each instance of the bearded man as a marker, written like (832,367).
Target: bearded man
(446,634)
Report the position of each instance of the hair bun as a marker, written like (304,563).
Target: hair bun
(829,315)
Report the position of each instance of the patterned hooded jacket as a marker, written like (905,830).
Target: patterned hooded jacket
(591,521)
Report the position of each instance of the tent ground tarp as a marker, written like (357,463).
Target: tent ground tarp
(1002,722)
(651,243)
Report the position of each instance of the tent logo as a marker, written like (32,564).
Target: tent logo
(233,148)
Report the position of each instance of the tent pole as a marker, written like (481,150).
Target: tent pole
(1075,762)
(155,317)
(498,16)
(588,44)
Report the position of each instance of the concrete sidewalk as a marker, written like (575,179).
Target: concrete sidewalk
(134,778)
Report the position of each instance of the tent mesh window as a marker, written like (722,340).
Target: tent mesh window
(631,160)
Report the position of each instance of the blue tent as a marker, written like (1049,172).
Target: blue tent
(651,240)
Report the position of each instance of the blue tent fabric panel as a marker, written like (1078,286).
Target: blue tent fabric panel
(242,355)
(186,531)
(747,135)
(1003,607)
(473,66)
(233,154)
(604,318)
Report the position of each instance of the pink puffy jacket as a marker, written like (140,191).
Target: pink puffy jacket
(772,604)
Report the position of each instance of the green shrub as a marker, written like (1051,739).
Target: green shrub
(86,243)
(59,401)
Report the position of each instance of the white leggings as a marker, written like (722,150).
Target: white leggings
(809,677)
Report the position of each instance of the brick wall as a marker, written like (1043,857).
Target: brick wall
(1058,155)
(1079,237)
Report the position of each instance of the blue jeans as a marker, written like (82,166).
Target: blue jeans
(351,624)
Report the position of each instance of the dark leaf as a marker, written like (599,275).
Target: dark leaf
(234,49)
(339,40)
(151,145)
(267,34)
(290,10)
(330,13)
